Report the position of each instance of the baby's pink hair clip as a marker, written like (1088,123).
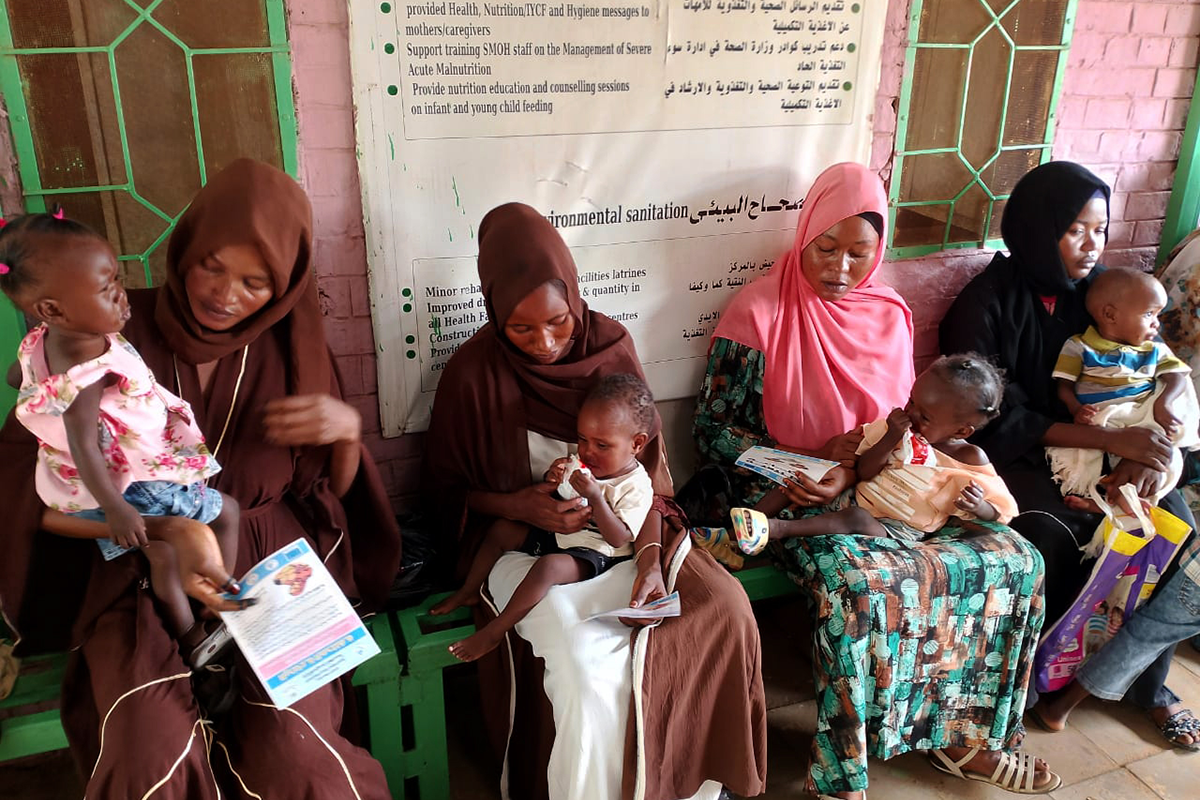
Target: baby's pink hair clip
(4,270)
(58,213)
(3,222)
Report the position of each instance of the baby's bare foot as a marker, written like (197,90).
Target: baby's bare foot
(477,645)
(457,600)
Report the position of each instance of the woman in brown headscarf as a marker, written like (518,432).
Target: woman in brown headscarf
(236,331)
(693,717)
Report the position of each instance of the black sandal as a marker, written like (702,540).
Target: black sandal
(1182,723)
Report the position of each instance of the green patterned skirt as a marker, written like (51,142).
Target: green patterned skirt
(917,645)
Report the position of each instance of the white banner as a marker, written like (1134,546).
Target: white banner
(670,143)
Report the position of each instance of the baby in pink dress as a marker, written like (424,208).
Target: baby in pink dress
(113,444)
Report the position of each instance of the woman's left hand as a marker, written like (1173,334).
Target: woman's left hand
(648,586)
(803,491)
(311,419)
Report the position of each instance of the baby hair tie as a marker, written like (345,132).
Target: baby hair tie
(4,269)
(58,212)
(3,222)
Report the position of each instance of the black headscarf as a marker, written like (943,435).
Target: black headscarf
(1041,208)
(1001,314)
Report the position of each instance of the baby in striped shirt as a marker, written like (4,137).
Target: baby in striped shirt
(1117,375)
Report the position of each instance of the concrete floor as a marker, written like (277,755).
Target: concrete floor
(1109,752)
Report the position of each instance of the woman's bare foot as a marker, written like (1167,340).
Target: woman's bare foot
(477,644)
(463,597)
(985,761)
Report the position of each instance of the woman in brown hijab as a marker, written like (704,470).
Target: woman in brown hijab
(237,332)
(693,715)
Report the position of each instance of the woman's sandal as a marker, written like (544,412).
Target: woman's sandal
(1182,723)
(1015,771)
(751,529)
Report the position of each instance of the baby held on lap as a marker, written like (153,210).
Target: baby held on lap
(915,468)
(1116,375)
(614,426)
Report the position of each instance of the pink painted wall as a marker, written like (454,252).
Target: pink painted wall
(1128,84)
(319,34)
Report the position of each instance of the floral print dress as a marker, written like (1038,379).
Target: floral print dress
(917,645)
(145,432)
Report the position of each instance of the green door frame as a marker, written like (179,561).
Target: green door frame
(1183,209)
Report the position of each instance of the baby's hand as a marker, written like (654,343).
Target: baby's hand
(557,468)
(1164,415)
(971,498)
(127,527)
(898,421)
(1085,415)
(586,485)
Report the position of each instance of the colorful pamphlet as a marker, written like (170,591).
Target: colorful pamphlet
(780,465)
(302,632)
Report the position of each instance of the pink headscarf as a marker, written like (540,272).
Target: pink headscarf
(830,366)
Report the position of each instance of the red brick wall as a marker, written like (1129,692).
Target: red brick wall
(1128,83)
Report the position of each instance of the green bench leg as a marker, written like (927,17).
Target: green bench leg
(406,710)
(427,760)
(384,724)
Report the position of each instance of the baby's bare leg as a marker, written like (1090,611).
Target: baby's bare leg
(848,520)
(226,528)
(549,571)
(503,536)
(164,581)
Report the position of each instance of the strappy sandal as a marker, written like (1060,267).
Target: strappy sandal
(1015,771)
(1182,723)
(751,529)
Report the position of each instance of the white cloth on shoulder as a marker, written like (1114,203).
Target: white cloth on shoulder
(1078,469)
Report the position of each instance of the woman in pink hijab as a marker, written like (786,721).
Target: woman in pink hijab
(921,645)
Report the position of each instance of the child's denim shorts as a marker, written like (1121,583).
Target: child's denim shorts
(160,499)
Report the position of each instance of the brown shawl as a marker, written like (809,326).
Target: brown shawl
(491,393)
(250,203)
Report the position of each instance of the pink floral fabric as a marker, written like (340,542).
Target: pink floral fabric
(145,432)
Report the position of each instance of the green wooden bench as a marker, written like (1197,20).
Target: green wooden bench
(763,581)
(406,709)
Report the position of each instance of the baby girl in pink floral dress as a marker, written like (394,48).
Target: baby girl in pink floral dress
(113,444)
